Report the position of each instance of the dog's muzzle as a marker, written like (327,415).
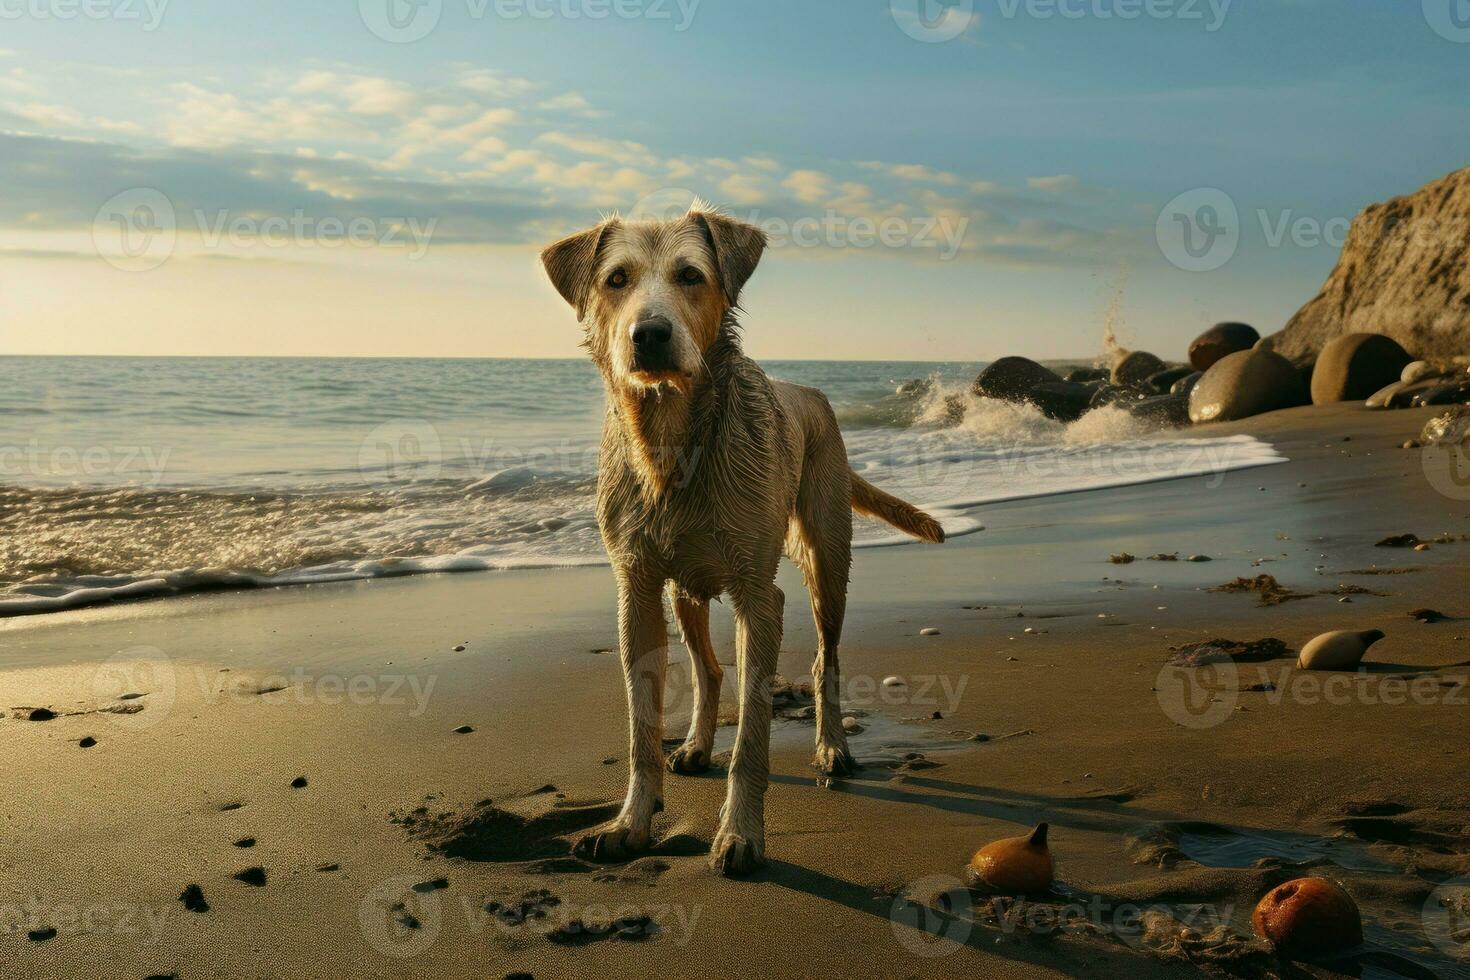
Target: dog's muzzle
(653,348)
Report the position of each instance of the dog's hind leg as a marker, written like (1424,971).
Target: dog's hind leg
(740,842)
(643,638)
(694,755)
(824,552)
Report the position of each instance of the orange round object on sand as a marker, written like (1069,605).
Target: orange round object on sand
(1013,866)
(1309,917)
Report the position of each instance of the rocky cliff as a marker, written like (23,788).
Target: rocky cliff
(1404,271)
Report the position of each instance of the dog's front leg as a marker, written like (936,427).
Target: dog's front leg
(740,843)
(643,639)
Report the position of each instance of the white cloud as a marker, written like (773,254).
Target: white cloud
(1060,184)
(808,186)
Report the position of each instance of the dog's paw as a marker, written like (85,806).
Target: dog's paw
(735,856)
(689,760)
(614,842)
(835,761)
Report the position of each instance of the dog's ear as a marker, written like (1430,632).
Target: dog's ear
(737,247)
(570,264)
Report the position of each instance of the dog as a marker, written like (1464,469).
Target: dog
(709,471)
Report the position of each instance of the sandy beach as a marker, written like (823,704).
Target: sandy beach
(295,755)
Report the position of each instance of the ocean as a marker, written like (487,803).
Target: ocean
(124,478)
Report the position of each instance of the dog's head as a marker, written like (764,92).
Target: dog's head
(654,294)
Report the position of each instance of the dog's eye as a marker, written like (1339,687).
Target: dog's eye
(690,276)
(617,280)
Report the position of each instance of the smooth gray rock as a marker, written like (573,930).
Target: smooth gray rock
(1356,366)
(1136,368)
(1011,379)
(1186,384)
(1220,340)
(1244,384)
(1163,382)
(1064,401)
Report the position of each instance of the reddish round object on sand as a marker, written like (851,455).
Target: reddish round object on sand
(1309,917)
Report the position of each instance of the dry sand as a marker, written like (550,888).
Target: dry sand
(414,850)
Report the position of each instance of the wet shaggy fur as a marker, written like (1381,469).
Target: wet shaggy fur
(709,472)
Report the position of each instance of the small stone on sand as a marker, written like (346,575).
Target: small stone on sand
(1428,615)
(459,648)
(41,935)
(245,842)
(255,877)
(299,782)
(87,742)
(928,631)
(893,682)
(463,730)
(193,899)
(1199,558)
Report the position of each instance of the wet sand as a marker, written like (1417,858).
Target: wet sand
(414,849)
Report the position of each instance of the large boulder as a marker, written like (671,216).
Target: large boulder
(1163,382)
(1134,368)
(1167,410)
(1404,272)
(1246,383)
(1064,401)
(1011,379)
(1085,374)
(1354,367)
(1186,384)
(1220,340)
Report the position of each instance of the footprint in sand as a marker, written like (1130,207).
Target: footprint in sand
(629,928)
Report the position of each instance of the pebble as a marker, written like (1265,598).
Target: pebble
(1199,558)
(87,742)
(1411,444)
(255,877)
(463,730)
(893,682)
(851,725)
(928,631)
(299,782)
(459,648)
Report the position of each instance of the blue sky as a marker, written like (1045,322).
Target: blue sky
(1017,171)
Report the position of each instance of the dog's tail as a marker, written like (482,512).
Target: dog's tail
(868,499)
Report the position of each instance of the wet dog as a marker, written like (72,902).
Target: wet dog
(709,472)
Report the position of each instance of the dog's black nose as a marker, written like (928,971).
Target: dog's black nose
(653,333)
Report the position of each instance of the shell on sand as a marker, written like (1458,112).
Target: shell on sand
(1014,865)
(1308,918)
(1340,650)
